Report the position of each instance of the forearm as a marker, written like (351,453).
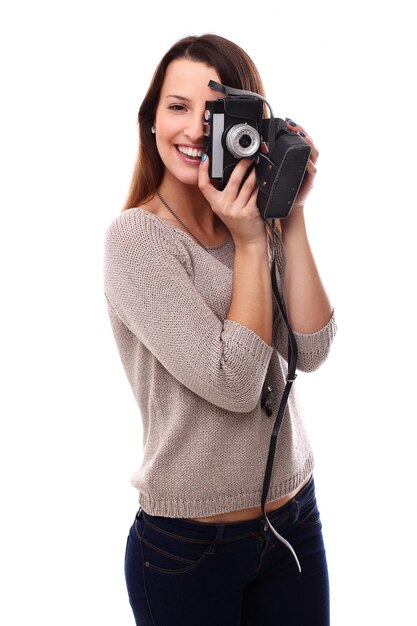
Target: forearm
(308,306)
(251,303)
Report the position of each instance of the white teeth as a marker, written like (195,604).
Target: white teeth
(191,152)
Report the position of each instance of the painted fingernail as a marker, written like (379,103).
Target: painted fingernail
(291,123)
(300,132)
(204,157)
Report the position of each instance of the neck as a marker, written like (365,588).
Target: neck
(189,204)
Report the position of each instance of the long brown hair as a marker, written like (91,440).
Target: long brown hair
(235,68)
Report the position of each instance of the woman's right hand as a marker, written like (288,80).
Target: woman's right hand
(236,208)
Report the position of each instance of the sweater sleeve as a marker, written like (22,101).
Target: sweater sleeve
(313,348)
(148,283)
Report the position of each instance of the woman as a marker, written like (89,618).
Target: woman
(188,289)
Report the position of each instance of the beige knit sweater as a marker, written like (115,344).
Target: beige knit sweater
(197,377)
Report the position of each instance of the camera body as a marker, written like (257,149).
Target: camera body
(234,128)
(232,131)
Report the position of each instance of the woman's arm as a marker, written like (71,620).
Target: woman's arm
(308,306)
(251,303)
(149,286)
(313,345)
(310,313)
(307,303)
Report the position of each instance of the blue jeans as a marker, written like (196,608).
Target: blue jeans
(184,573)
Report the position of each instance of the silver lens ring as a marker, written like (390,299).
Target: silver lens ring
(240,134)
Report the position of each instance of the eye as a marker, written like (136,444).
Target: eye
(177,107)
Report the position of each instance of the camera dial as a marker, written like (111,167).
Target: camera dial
(243,141)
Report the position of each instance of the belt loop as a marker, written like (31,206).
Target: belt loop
(295,512)
(219,535)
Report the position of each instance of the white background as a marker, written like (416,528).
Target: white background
(73,75)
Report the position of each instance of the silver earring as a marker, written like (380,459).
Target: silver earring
(153,130)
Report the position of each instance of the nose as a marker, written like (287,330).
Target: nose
(194,129)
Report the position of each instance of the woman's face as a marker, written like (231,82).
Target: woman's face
(179,117)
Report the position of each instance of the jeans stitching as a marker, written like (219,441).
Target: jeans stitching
(169,534)
(224,540)
(144,585)
(138,535)
(168,554)
(178,571)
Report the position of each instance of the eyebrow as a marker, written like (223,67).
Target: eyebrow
(179,97)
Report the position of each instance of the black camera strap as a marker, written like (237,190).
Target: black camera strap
(292,358)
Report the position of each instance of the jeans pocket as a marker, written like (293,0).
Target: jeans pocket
(171,552)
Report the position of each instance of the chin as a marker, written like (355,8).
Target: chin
(186,178)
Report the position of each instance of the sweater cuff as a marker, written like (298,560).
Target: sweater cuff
(237,333)
(313,348)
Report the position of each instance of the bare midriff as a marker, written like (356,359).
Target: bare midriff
(243,515)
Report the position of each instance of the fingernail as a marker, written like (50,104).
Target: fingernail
(300,132)
(204,157)
(291,123)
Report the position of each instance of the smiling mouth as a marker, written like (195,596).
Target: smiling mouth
(191,153)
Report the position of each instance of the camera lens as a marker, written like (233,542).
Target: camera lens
(245,141)
(242,141)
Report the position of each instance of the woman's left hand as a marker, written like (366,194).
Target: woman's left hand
(308,182)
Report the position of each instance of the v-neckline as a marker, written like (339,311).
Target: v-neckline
(169,223)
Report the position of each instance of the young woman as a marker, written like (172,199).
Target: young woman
(188,286)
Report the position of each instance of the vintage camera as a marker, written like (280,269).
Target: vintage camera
(232,129)
(235,128)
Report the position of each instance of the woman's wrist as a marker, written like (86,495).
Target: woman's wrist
(259,244)
(294,221)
